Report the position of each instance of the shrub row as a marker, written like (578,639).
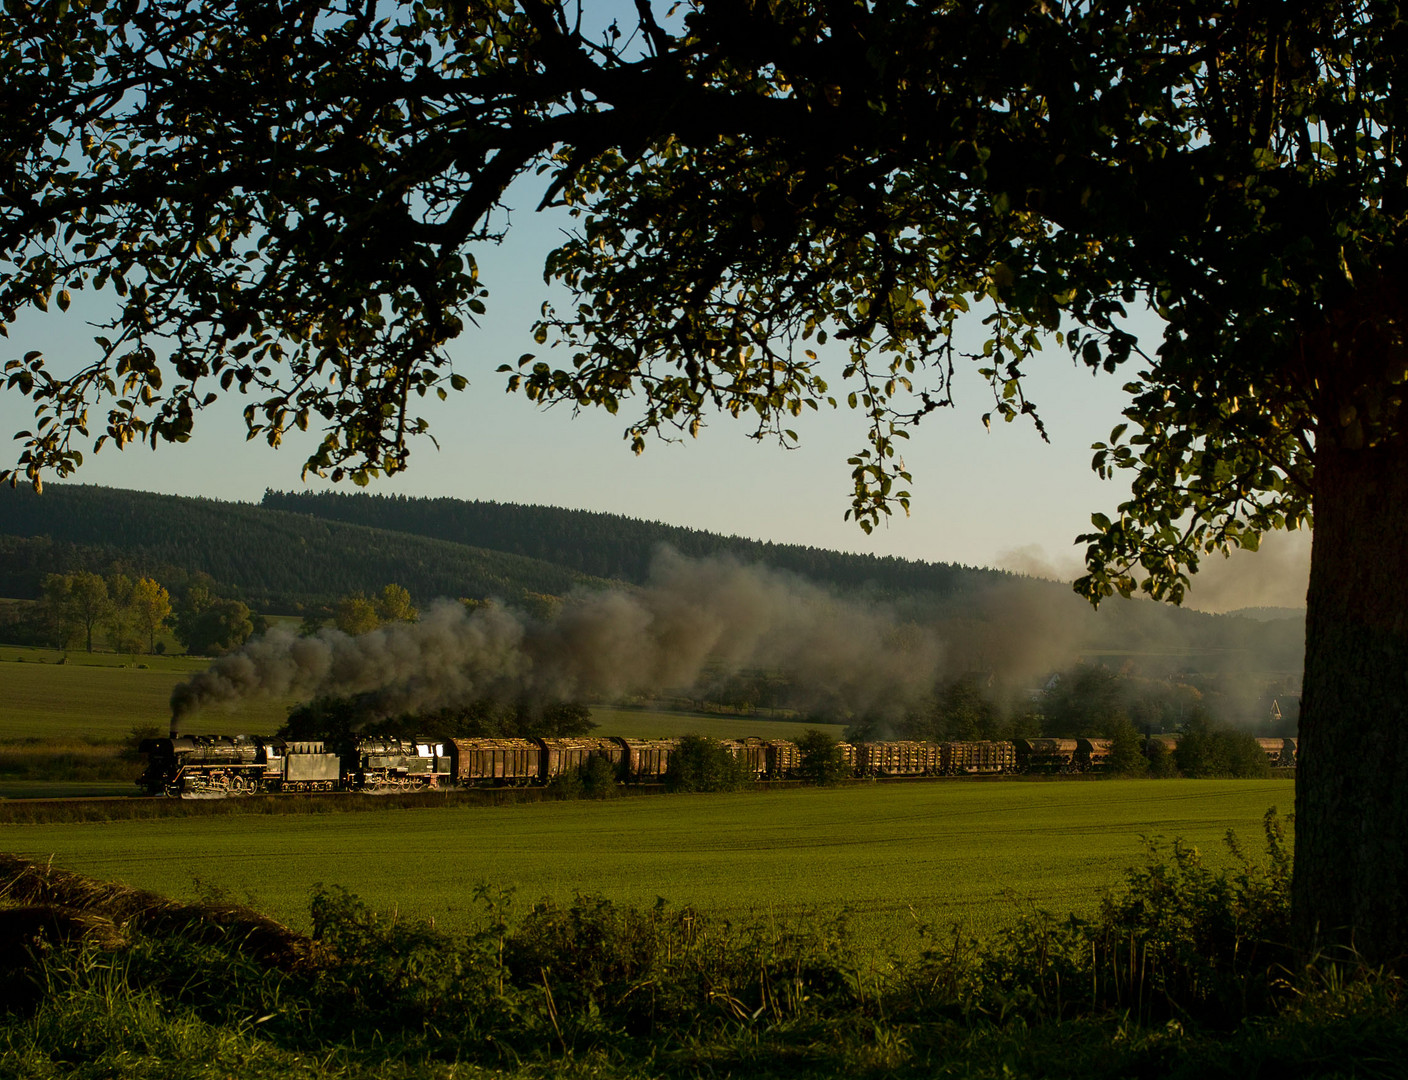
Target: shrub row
(1184,971)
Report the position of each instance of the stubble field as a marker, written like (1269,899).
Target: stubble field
(893,856)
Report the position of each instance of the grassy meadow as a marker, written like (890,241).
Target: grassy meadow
(892,855)
(546,998)
(47,694)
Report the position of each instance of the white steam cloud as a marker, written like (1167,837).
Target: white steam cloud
(693,617)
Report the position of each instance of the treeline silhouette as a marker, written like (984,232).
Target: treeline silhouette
(612,546)
(272,560)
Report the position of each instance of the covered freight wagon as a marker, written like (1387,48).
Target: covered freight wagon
(562,756)
(645,760)
(1281,753)
(1046,755)
(1093,754)
(497,761)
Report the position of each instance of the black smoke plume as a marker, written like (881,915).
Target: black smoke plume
(693,616)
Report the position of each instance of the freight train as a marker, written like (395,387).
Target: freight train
(192,765)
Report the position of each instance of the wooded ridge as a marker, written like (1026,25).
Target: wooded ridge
(613,546)
(273,560)
(297,552)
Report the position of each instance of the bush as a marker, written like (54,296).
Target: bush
(1127,750)
(1209,752)
(1179,941)
(619,967)
(699,763)
(593,779)
(1162,765)
(139,734)
(821,758)
(392,978)
(599,778)
(1183,972)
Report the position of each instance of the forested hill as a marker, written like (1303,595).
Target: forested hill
(295,552)
(273,560)
(612,546)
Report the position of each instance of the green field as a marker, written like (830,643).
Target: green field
(104,696)
(893,855)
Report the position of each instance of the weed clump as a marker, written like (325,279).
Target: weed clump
(1179,942)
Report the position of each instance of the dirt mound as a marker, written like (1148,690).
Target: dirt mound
(32,926)
(37,887)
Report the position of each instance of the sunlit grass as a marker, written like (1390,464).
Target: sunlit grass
(104,696)
(895,856)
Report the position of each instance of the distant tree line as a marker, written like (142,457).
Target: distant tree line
(125,613)
(83,610)
(358,613)
(295,555)
(614,547)
(79,605)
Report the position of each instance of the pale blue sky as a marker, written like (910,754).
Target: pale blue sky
(977,494)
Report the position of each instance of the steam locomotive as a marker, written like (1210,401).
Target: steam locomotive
(194,765)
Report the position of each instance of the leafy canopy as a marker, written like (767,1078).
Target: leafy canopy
(284,199)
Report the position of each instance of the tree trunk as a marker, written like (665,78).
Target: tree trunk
(1350,892)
